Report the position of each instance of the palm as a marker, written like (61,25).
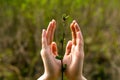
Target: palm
(74,52)
(49,51)
(74,62)
(51,63)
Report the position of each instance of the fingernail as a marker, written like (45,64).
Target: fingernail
(43,30)
(54,22)
(74,21)
(53,19)
(50,23)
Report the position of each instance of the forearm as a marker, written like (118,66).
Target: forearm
(83,78)
(47,77)
(78,78)
(43,77)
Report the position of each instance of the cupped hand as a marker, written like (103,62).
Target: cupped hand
(74,54)
(52,66)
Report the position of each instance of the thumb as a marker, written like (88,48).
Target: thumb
(54,48)
(68,47)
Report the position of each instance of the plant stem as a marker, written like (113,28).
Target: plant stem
(62,45)
(63,48)
(62,68)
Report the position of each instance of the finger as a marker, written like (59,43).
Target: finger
(52,30)
(48,33)
(77,28)
(79,40)
(54,48)
(68,47)
(73,32)
(79,37)
(44,41)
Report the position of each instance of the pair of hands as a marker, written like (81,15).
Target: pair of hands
(74,54)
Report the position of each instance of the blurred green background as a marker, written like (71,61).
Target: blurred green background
(21,23)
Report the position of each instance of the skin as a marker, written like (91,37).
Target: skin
(73,57)
(48,53)
(74,54)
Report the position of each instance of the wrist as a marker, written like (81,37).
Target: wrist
(83,78)
(43,77)
(48,77)
(78,78)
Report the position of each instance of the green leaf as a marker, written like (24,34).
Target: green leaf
(64,67)
(59,57)
(65,17)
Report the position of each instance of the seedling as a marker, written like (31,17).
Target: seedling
(60,57)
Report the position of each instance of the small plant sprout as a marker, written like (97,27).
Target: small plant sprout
(60,57)
(65,17)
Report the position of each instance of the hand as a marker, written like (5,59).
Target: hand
(74,54)
(48,53)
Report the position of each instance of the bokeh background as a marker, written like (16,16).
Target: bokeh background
(21,23)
